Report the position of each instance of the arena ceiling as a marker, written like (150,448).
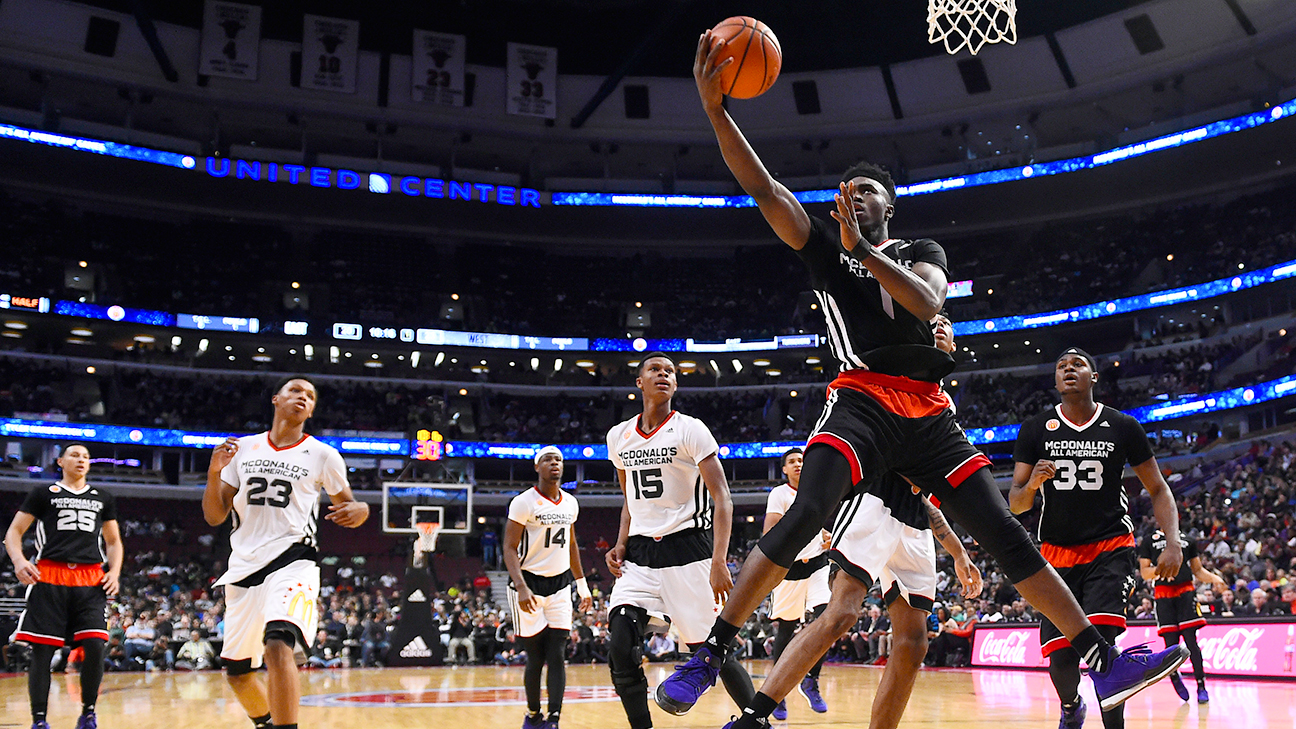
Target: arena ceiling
(599,37)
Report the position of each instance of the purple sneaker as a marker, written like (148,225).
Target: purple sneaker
(780,711)
(1202,696)
(1132,671)
(534,721)
(809,688)
(677,694)
(1177,681)
(88,721)
(42,724)
(1073,718)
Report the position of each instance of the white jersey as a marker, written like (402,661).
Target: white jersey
(277,504)
(545,548)
(780,500)
(663,485)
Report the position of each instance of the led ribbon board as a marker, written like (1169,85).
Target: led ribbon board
(166,438)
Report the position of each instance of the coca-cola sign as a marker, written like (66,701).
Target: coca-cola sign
(1234,649)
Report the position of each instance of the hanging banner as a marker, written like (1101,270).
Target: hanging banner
(438,68)
(330,48)
(231,39)
(532,81)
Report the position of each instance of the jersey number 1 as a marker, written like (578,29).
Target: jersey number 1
(648,483)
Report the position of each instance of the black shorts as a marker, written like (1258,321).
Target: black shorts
(59,614)
(1181,612)
(1102,587)
(882,423)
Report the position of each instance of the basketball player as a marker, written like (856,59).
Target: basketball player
(1177,610)
(804,590)
(1074,455)
(883,535)
(541,556)
(271,482)
(885,411)
(674,537)
(68,589)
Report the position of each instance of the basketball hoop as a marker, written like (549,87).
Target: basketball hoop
(425,542)
(971,24)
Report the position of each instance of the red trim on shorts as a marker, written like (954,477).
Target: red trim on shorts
(1115,620)
(1168,629)
(1056,644)
(1162,592)
(840,444)
(1199,622)
(1072,555)
(84,634)
(67,574)
(969,467)
(294,445)
(34,638)
(897,395)
(639,420)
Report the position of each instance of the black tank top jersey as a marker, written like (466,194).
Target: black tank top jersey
(69,526)
(866,327)
(1085,501)
(1152,547)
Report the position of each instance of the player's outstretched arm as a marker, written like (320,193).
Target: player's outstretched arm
(26,572)
(578,571)
(1204,575)
(116,553)
(781,210)
(968,574)
(1167,516)
(513,563)
(721,524)
(1027,480)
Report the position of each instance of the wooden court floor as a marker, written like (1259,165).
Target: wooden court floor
(486,697)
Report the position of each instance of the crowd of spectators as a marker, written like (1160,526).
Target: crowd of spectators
(753,290)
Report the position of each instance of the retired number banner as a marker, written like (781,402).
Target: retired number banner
(438,68)
(329,54)
(532,81)
(231,40)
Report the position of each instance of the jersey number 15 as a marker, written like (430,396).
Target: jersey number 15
(648,483)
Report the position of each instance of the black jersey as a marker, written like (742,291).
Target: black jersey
(1152,547)
(69,525)
(866,327)
(1085,501)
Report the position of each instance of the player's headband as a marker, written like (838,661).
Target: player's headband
(547,449)
(1080,353)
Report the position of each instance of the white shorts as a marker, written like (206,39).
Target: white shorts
(872,546)
(683,593)
(552,611)
(792,599)
(290,593)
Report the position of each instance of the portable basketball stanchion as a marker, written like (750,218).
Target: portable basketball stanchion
(417,639)
(971,24)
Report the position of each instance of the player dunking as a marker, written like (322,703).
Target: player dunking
(1074,455)
(674,537)
(804,590)
(271,482)
(543,561)
(68,589)
(885,410)
(1177,611)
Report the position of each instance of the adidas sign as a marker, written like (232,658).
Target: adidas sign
(416,596)
(417,648)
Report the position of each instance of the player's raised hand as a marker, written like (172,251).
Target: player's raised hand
(721,581)
(1170,561)
(969,577)
(845,216)
(614,557)
(707,67)
(223,454)
(526,599)
(27,572)
(1043,471)
(110,584)
(350,514)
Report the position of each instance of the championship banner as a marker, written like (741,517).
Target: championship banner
(330,49)
(231,40)
(532,81)
(438,69)
(1258,650)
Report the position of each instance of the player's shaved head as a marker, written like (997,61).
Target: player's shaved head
(643,363)
(873,172)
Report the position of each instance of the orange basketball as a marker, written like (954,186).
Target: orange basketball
(756,53)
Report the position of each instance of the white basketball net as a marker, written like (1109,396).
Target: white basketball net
(971,24)
(425,543)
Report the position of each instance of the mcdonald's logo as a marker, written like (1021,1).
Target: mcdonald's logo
(302,607)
